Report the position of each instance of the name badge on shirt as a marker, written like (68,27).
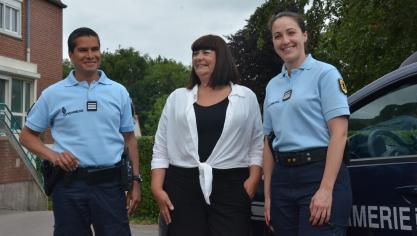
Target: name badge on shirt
(287,95)
(91,105)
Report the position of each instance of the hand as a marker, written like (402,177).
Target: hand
(267,211)
(321,206)
(251,185)
(66,160)
(165,205)
(133,198)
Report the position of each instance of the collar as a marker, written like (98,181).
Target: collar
(236,91)
(70,80)
(306,65)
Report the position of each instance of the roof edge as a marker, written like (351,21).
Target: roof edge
(58,3)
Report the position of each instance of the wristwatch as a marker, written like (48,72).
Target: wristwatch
(137,178)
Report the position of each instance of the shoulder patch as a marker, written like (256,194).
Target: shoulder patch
(342,86)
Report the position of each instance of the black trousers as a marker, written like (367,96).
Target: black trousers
(227,215)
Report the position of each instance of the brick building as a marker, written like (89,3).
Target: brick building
(30,60)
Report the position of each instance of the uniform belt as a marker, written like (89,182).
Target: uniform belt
(94,176)
(301,157)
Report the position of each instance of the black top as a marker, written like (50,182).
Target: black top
(210,122)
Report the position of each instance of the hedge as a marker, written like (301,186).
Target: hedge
(148,209)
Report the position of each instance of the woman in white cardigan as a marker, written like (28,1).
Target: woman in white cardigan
(207,156)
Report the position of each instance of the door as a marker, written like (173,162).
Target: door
(383,169)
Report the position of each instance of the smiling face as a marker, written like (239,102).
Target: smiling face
(204,62)
(289,40)
(86,55)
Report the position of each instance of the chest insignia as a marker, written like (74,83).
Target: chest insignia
(287,95)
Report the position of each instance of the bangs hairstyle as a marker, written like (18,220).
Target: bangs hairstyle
(225,70)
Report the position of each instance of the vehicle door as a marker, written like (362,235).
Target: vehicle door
(383,166)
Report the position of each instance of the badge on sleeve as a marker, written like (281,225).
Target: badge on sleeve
(91,105)
(342,86)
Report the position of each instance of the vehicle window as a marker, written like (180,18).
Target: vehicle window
(387,126)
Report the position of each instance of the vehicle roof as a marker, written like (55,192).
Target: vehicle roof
(411,59)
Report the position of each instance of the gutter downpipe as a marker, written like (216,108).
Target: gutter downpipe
(27,30)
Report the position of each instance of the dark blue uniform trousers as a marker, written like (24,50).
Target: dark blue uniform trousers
(291,191)
(78,206)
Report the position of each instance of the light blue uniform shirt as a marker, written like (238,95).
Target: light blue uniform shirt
(93,137)
(300,122)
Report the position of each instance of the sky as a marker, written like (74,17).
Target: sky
(156,27)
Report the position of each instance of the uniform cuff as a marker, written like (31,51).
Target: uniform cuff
(127,129)
(342,111)
(34,127)
(267,131)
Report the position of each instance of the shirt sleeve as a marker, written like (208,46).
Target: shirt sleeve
(127,121)
(255,151)
(333,98)
(267,125)
(38,118)
(160,148)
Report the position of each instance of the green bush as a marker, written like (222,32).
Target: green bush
(148,210)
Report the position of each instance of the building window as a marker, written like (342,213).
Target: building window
(20,100)
(2,91)
(10,17)
(17,94)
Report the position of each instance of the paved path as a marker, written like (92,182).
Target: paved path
(39,223)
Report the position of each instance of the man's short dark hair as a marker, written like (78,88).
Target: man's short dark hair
(83,31)
(225,70)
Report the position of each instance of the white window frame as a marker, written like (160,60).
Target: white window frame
(8,98)
(16,5)
(22,115)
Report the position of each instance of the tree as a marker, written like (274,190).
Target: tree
(163,77)
(363,39)
(66,67)
(369,38)
(154,114)
(252,46)
(149,81)
(127,67)
(145,78)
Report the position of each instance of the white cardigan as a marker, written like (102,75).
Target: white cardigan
(240,144)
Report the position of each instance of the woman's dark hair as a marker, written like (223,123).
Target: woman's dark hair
(295,16)
(80,32)
(225,70)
